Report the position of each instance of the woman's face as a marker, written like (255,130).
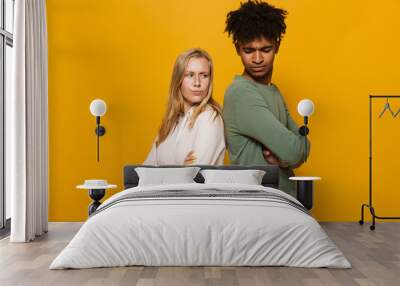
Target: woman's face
(196,81)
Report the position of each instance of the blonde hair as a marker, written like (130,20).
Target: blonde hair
(175,105)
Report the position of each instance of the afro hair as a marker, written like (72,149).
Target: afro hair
(254,20)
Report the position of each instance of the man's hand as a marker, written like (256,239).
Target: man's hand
(272,159)
(190,158)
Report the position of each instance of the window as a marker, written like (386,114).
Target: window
(6,60)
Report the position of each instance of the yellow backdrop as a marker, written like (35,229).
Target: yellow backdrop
(335,53)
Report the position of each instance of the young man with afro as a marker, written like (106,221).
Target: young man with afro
(259,129)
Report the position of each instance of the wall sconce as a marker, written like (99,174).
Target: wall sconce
(305,108)
(98,108)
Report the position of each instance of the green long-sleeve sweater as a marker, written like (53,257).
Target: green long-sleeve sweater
(256,115)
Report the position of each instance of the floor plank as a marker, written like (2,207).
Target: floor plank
(375,257)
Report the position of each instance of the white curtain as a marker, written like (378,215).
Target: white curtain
(27,124)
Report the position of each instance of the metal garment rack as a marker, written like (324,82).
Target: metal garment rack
(369,205)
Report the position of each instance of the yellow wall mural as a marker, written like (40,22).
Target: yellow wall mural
(334,52)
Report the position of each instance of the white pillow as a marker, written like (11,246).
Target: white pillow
(248,177)
(164,176)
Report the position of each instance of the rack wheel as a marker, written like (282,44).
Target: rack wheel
(372,227)
(361,222)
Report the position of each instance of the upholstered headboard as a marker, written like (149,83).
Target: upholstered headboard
(270,179)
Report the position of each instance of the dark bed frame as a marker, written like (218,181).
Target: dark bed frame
(270,179)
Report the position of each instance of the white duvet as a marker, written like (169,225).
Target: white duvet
(200,231)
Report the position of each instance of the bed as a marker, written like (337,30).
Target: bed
(201,224)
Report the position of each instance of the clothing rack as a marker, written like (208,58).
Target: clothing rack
(369,205)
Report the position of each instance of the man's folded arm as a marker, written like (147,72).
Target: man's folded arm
(253,119)
(295,129)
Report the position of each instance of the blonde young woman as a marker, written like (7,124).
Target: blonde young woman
(192,130)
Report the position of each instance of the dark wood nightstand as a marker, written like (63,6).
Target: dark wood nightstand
(97,190)
(305,190)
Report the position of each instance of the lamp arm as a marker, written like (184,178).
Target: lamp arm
(303,130)
(98,148)
(98,137)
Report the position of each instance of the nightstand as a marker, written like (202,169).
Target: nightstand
(97,190)
(305,190)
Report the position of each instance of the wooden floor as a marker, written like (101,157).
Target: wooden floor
(375,256)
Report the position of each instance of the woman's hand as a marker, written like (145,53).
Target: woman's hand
(272,159)
(190,158)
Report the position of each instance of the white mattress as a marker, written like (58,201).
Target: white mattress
(200,231)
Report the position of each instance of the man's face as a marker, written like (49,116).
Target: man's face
(258,57)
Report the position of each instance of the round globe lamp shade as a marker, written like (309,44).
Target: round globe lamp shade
(98,107)
(305,107)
